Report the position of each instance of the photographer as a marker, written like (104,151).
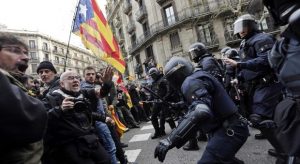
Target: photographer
(70,137)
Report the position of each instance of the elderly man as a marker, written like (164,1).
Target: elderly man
(23,118)
(70,137)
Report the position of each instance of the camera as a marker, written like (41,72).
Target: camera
(81,105)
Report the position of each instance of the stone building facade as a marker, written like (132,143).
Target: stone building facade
(155,30)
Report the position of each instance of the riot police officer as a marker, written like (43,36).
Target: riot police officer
(210,109)
(256,73)
(161,88)
(235,91)
(284,59)
(205,60)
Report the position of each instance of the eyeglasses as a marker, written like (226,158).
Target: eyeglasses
(15,49)
(73,78)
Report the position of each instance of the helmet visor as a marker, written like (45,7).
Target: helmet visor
(193,53)
(240,26)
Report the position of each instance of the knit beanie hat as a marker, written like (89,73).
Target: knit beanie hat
(46,65)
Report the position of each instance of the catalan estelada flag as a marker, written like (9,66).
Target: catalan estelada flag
(96,35)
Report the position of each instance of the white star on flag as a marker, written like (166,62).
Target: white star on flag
(82,10)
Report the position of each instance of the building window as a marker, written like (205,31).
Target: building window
(33,55)
(140,3)
(263,25)
(204,33)
(169,15)
(45,46)
(55,48)
(33,67)
(138,68)
(229,24)
(175,41)
(46,57)
(62,50)
(146,28)
(133,40)
(32,44)
(56,59)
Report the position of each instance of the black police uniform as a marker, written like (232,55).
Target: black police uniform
(204,89)
(213,111)
(264,92)
(284,59)
(161,88)
(209,64)
(257,74)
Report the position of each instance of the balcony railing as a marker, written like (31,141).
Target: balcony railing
(32,48)
(130,27)
(47,59)
(160,2)
(34,59)
(121,39)
(46,49)
(55,61)
(141,14)
(269,26)
(186,14)
(212,42)
(127,7)
(230,37)
(117,22)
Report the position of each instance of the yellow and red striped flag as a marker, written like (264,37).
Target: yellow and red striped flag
(96,35)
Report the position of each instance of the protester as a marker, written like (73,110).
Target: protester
(23,118)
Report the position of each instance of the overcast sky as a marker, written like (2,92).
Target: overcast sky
(50,17)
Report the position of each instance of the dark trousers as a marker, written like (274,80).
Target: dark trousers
(73,153)
(158,127)
(221,148)
(119,151)
(128,116)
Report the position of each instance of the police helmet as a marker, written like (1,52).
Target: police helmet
(154,73)
(246,21)
(196,51)
(232,54)
(176,70)
(223,51)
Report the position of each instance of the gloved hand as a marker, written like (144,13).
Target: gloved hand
(162,149)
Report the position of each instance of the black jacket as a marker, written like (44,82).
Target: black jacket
(23,118)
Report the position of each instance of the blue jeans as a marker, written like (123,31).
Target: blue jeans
(106,139)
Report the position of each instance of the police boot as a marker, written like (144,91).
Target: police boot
(171,123)
(162,132)
(237,161)
(259,136)
(274,153)
(192,145)
(270,135)
(156,134)
(202,136)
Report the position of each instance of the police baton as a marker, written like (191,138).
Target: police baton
(157,96)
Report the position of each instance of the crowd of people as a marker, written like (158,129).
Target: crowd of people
(72,118)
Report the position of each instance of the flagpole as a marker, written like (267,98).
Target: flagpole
(72,26)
